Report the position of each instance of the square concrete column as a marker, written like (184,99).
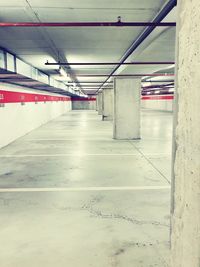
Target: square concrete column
(127,94)
(97,106)
(107,113)
(185,242)
(100,100)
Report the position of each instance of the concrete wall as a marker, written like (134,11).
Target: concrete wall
(163,103)
(84,104)
(17,120)
(186,171)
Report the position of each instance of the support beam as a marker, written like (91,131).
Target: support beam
(107,112)
(186,149)
(127,94)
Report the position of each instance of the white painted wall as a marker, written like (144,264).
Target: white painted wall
(17,120)
(163,105)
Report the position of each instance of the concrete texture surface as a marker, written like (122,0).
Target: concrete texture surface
(114,207)
(84,105)
(107,110)
(127,94)
(100,102)
(186,182)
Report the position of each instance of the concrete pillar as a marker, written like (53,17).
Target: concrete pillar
(107,113)
(185,242)
(97,105)
(127,93)
(100,100)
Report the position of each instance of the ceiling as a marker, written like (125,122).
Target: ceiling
(103,44)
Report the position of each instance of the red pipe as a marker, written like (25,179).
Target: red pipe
(110,63)
(87,24)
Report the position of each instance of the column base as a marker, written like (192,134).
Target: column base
(107,118)
(130,139)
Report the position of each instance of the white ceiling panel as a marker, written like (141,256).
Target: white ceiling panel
(105,4)
(85,15)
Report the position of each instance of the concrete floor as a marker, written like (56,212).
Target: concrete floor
(72,196)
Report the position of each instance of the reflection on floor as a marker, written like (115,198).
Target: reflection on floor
(72,196)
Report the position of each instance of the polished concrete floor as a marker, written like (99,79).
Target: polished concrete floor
(70,195)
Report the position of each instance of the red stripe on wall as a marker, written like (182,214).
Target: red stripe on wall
(158,97)
(18,97)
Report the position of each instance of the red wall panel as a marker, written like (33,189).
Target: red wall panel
(18,97)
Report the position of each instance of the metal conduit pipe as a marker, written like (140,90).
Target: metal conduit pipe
(162,14)
(89,82)
(157,85)
(109,63)
(87,24)
(161,81)
(161,88)
(127,75)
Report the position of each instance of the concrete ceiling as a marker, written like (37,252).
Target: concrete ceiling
(37,45)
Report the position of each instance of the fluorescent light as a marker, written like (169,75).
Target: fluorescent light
(157,92)
(171,90)
(64,74)
(148,93)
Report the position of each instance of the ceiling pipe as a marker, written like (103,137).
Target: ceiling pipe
(109,63)
(127,75)
(90,82)
(157,86)
(161,15)
(87,24)
(161,81)
(160,88)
